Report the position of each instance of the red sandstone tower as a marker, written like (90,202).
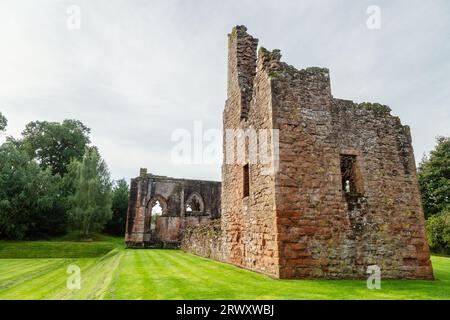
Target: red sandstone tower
(345,193)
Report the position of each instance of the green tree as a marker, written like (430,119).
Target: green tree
(3,122)
(54,144)
(116,226)
(438,233)
(434,179)
(29,197)
(90,206)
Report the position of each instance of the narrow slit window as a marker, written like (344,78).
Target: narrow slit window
(246,181)
(348,171)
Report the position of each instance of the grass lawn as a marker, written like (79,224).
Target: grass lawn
(37,270)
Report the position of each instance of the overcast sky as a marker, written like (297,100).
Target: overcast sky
(137,70)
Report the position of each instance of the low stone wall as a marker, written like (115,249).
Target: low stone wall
(204,240)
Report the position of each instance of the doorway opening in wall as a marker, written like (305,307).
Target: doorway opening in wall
(246,181)
(156,212)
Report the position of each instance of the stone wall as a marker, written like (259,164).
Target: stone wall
(205,240)
(175,197)
(313,219)
(325,232)
(248,223)
(344,195)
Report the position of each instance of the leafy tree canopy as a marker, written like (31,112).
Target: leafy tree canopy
(29,197)
(438,233)
(3,122)
(55,144)
(434,179)
(116,226)
(90,206)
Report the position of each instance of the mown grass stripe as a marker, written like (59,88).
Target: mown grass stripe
(33,284)
(168,282)
(20,267)
(49,249)
(172,274)
(191,274)
(131,280)
(100,288)
(207,285)
(241,279)
(95,278)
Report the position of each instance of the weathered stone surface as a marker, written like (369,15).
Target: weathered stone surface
(173,196)
(302,222)
(345,195)
(205,240)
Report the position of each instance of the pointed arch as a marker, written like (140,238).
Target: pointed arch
(162,202)
(150,217)
(195,203)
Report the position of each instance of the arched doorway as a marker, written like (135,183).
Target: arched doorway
(156,207)
(156,211)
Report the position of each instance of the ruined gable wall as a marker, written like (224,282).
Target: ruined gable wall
(232,206)
(248,223)
(260,236)
(389,228)
(173,195)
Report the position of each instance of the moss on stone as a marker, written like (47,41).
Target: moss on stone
(375,107)
(239,28)
(263,51)
(275,74)
(316,70)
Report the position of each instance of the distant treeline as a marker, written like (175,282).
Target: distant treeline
(53,180)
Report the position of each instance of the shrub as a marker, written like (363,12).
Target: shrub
(438,232)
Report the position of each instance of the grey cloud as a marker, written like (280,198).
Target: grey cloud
(137,70)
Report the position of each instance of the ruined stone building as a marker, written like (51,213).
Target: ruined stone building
(182,203)
(344,194)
